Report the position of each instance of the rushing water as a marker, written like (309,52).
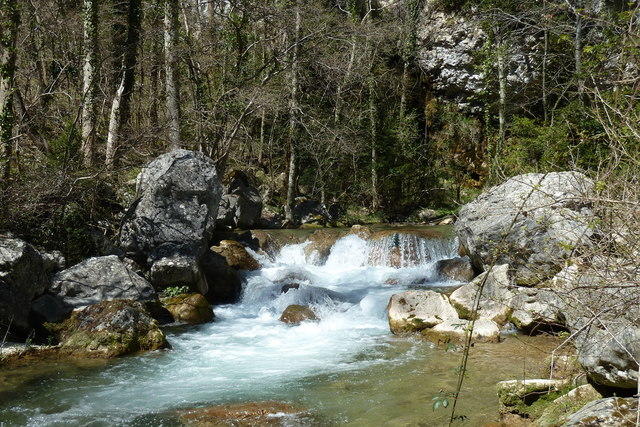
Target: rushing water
(247,354)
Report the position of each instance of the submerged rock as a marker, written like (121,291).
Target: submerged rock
(413,311)
(236,255)
(296,314)
(609,412)
(24,274)
(244,414)
(109,329)
(531,222)
(171,222)
(189,308)
(456,269)
(241,203)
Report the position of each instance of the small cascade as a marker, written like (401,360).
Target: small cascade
(402,250)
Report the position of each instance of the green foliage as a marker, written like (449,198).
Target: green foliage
(174,291)
(64,148)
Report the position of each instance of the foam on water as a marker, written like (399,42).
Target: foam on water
(247,353)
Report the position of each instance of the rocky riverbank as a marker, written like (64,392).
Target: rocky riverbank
(533,258)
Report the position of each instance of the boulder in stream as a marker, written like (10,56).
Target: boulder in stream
(495,301)
(531,222)
(518,396)
(413,311)
(193,309)
(109,329)
(171,222)
(457,269)
(236,255)
(90,282)
(244,414)
(296,314)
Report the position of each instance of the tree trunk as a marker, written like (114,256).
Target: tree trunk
(578,54)
(89,80)
(120,107)
(293,112)
(347,74)
(8,36)
(373,128)
(404,89)
(502,108)
(171,78)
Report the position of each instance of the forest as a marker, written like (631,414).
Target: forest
(372,106)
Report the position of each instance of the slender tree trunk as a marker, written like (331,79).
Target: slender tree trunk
(120,107)
(502,108)
(578,53)
(545,54)
(89,80)
(347,74)
(373,129)
(171,78)
(8,35)
(293,113)
(404,89)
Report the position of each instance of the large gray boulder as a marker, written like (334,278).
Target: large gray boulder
(241,203)
(24,274)
(600,304)
(532,222)
(90,282)
(609,412)
(413,311)
(173,218)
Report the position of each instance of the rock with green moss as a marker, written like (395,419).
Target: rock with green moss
(529,397)
(557,412)
(189,308)
(609,412)
(414,311)
(109,329)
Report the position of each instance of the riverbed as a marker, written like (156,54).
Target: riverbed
(346,369)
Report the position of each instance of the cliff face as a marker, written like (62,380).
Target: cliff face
(446,46)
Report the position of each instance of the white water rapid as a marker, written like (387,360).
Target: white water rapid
(247,354)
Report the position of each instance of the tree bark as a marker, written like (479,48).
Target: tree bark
(171,78)
(120,107)
(89,80)
(9,19)
(502,108)
(293,113)
(373,128)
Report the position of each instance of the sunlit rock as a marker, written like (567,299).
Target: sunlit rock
(109,329)
(413,311)
(189,308)
(296,314)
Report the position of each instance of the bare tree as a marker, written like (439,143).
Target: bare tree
(89,79)
(120,106)
(172,88)
(293,112)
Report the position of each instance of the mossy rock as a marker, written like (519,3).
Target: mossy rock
(189,308)
(529,397)
(109,329)
(559,410)
(236,255)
